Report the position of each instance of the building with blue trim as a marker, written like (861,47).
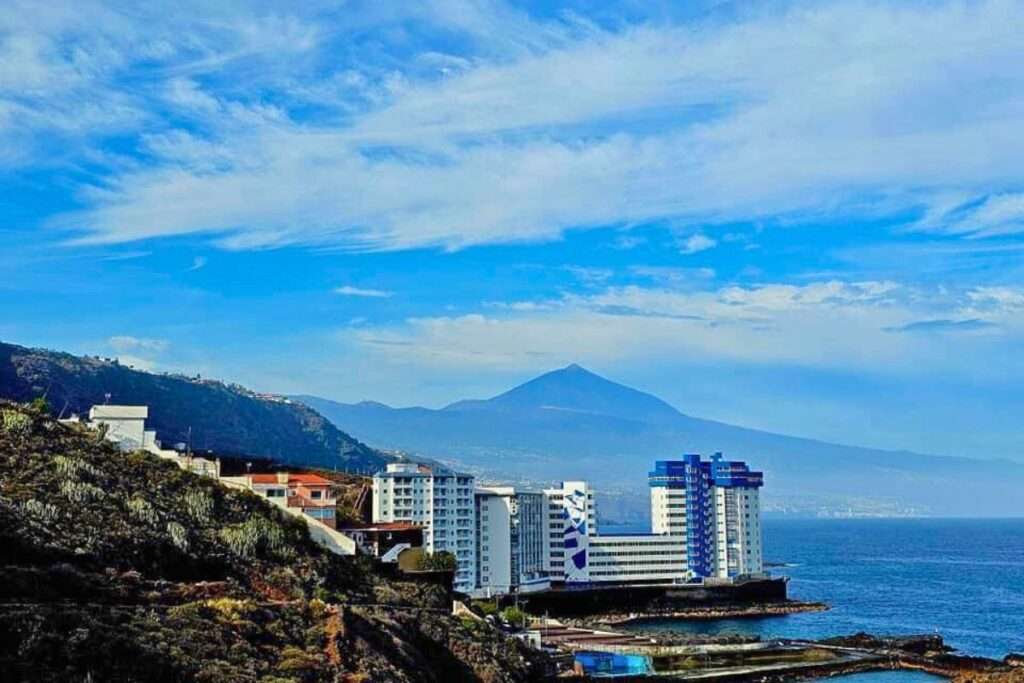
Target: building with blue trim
(705,525)
(715,505)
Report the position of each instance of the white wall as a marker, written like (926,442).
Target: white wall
(622,559)
(494,542)
(442,503)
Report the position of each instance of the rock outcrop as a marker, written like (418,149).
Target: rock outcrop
(122,567)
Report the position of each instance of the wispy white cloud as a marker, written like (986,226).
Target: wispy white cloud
(672,276)
(590,275)
(944,326)
(197,263)
(125,343)
(138,362)
(559,124)
(696,243)
(834,325)
(125,255)
(348,290)
(995,215)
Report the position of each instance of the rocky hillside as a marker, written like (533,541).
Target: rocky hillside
(122,567)
(223,418)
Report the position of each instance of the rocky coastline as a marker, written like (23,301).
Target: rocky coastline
(710,612)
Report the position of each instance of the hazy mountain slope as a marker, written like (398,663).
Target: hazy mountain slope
(123,567)
(222,418)
(572,423)
(576,390)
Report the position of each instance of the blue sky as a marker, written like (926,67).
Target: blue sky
(804,217)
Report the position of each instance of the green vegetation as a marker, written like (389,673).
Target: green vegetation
(436,562)
(123,567)
(39,405)
(485,607)
(515,616)
(14,423)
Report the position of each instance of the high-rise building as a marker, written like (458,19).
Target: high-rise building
(714,504)
(570,522)
(510,542)
(441,502)
(705,523)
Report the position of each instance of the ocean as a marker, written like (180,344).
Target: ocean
(963,578)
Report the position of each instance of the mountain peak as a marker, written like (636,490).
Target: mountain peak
(576,389)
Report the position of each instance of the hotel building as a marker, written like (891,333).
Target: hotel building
(438,500)
(705,525)
(578,554)
(510,541)
(715,506)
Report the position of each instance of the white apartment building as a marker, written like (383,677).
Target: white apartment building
(737,532)
(510,541)
(437,499)
(570,520)
(637,559)
(579,554)
(705,524)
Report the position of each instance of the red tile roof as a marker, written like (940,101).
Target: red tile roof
(308,479)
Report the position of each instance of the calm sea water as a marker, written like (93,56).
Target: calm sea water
(962,578)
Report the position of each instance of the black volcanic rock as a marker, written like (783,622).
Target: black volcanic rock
(122,567)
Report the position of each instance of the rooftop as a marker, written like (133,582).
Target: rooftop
(122,412)
(385,526)
(313,479)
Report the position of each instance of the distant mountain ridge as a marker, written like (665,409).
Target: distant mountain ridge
(573,423)
(223,418)
(575,389)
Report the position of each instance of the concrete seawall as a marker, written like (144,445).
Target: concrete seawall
(653,600)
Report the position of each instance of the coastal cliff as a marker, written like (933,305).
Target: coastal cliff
(121,567)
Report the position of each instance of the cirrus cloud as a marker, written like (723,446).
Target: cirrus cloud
(825,325)
(875,109)
(348,290)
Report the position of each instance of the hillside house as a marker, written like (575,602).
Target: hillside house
(310,493)
(126,428)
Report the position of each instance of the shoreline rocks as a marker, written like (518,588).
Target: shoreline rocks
(712,612)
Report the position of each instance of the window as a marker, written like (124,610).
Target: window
(316,495)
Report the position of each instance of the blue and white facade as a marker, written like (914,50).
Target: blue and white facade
(579,556)
(570,523)
(715,505)
(705,524)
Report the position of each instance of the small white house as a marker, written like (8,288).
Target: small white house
(126,425)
